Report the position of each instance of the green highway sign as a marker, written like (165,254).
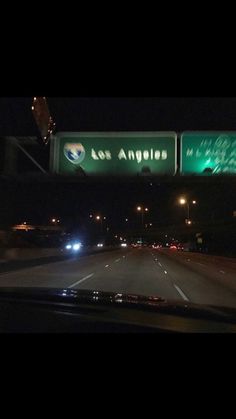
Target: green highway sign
(116,154)
(204,153)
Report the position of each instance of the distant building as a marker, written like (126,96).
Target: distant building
(28,227)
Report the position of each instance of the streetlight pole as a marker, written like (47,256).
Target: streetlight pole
(142,217)
(101,218)
(142,210)
(184,201)
(188,210)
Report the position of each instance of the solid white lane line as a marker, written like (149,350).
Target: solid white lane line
(159,263)
(81,280)
(181,293)
(117,260)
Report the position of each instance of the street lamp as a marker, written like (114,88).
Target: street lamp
(142,210)
(99,218)
(183,201)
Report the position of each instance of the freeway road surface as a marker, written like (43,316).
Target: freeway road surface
(166,273)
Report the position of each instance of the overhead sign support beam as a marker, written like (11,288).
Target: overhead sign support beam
(10,166)
(43,119)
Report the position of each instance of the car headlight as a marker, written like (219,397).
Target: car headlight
(76,246)
(68,246)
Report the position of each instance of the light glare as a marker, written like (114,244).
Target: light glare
(76,246)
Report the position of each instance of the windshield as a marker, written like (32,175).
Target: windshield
(111,195)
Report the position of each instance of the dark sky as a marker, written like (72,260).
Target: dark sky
(37,201)
(74,114)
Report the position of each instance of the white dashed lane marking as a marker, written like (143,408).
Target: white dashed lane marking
(81,280)
(181,293)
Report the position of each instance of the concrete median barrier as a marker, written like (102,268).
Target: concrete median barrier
(20,254)
(27,254)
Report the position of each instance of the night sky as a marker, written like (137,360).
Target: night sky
(119,114)
(37,202)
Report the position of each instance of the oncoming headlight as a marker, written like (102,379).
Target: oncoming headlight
(76,246)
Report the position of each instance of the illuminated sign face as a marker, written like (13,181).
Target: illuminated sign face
(206,153)
(114,153)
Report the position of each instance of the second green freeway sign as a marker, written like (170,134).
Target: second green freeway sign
(203,153)
(113,153)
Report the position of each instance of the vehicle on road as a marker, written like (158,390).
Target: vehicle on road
(73,246)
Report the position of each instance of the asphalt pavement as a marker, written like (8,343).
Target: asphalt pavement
(166,273)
